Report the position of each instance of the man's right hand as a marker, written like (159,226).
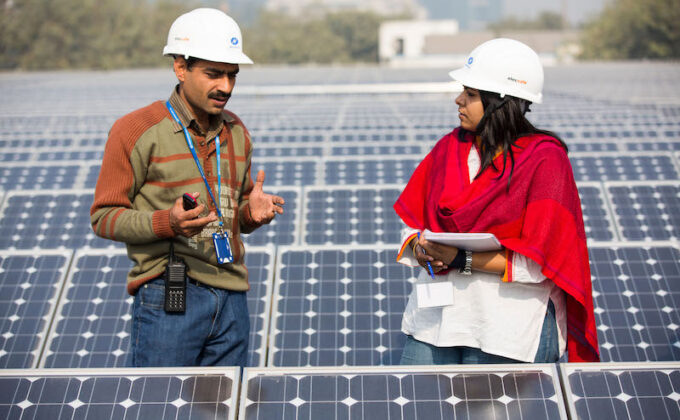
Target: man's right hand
(187,223)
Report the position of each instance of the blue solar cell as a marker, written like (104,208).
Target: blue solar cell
(620,167)
(598,222)
(184,393)
(623,392)
(636,291)
(71,155)
(286,151)
(300,171)
(389,170)
(15,156)
(285,228)
(58,219)
(28,177)
(402,393)
(30,282)
(93,325)
(646,211)
(386,149)
(339,215)
(338,307)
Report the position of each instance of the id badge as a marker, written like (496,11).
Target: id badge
(222,248)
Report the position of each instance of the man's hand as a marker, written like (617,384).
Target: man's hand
(263,206)
(187,223)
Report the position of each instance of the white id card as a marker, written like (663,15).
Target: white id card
(438,293)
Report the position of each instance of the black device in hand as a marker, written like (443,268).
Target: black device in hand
(188,201)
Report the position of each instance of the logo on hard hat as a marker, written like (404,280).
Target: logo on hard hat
(469,62)
(234,41)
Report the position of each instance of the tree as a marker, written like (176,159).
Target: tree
(634,29)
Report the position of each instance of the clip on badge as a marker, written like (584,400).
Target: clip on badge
(222,248)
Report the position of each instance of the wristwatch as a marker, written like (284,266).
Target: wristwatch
(467,269)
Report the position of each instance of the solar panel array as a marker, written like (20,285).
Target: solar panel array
(326,293)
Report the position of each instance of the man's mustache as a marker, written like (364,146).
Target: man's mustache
(219,96)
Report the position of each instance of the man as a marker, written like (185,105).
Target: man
(153,156)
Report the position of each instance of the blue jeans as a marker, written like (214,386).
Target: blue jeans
(419,353)
(212,332)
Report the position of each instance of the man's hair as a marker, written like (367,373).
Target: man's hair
(503,122)
(190,61)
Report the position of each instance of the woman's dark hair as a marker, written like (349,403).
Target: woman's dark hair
(501,125)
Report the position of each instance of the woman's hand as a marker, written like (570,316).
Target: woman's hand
(439,256)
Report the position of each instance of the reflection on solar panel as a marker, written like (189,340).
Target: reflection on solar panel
(300,171)
(646,210)
(636,289)
(285,228)
(338,306)
(351,215)
(92,327)
(369,170)
(619,391)
(54,219)
(182,393)
(620,167)
(596,216)
(30,282)
(445,392)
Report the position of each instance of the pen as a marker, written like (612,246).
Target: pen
(429,266)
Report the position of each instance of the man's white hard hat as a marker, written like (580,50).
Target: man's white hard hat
(504,66)
(209,34)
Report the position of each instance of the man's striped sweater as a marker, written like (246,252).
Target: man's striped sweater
(147,165)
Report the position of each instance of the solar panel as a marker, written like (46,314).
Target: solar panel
(620,391)
(621,167)
(40,176)
(596,215)
(30,283)
(52,219)
(403,392)
(338,306)
(70,154)
(370,170)
(351,215)
(636,290)
(180,393)
(286,151)
(377,149)
(285,228)
(592,147)
(92,326)
(646,211)
(282,172)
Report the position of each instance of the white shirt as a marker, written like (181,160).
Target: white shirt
(501,318)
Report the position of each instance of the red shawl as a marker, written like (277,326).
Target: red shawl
(540,217)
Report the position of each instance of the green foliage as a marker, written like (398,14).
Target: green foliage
(544,21)
(99,34)
(331,38)
(634,29)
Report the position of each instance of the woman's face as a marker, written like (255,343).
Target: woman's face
(470,108)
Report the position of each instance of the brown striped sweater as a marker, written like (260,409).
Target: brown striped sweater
(147,165)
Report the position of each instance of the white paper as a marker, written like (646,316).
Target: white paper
(475,242)
(439,293)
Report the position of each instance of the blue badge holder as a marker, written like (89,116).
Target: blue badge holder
(222,248)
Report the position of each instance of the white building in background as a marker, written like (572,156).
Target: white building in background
(383,7)
(404,42)
(439,43)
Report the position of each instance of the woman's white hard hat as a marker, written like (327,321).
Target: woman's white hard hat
(504,66)
(209,34)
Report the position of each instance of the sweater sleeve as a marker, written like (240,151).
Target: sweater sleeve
(122,174)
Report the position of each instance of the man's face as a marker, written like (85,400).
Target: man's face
(207,86)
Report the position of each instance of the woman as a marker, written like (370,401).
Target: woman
(532,300)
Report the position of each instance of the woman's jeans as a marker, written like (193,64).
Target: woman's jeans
(212,332)
(419,353)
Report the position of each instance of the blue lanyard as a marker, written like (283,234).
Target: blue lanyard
(190,143)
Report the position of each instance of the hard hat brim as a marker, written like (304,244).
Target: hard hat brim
(463,76)
(231,57)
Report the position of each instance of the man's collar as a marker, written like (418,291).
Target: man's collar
(187,117)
